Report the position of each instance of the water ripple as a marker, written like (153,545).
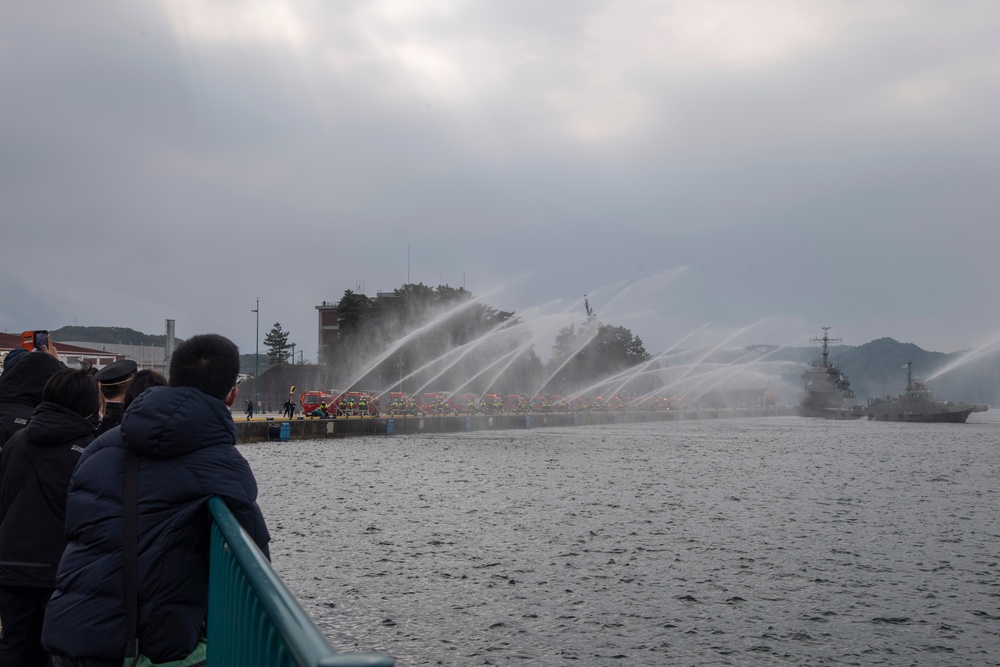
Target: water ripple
(720,542)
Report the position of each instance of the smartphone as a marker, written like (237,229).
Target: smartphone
(34,340)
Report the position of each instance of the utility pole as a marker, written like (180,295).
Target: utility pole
(256,354)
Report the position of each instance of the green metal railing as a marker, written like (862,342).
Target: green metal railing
(253,619)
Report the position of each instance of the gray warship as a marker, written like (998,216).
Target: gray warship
(827,392)
(917,404)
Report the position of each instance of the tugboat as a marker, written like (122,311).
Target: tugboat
(828,392)
(918,405)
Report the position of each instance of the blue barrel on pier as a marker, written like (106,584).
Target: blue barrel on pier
(285,432)
(390,426)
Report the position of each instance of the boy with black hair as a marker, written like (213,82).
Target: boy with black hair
(185,439)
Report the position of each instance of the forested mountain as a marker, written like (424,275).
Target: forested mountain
(126,336)
(878,369)
(108,335)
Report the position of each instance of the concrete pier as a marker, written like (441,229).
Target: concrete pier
(309,428)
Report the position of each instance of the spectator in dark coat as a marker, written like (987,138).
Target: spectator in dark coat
(142,381)
(35,468)
(185,439)
(21,386)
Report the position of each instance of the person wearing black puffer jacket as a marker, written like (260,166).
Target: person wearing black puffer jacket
(184,438)
(35,468)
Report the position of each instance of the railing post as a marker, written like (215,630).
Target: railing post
(253,619)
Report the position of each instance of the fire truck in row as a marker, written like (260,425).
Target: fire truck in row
(334,403)
(339,403)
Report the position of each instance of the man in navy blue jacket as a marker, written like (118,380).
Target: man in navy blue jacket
(185,437)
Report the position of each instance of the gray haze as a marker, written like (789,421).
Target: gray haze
(712,164)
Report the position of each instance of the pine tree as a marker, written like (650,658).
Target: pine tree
(277,344)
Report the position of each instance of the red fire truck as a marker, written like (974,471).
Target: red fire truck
(396,402)
(434,403)
(313,400)
(358,404)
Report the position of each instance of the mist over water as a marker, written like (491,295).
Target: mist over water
(451,342)
(733,541)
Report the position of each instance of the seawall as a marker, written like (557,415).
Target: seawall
(309,428)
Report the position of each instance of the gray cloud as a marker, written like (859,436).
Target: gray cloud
(829,164)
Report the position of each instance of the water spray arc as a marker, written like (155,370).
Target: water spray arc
(974,354)
(459,353)
(489,352)
(399,343)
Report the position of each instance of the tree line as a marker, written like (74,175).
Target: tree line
(421,338)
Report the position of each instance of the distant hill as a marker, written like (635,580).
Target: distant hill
(108,335)
(878,369)
(126,336)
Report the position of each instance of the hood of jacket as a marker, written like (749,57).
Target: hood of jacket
(52,425)
(164,422)
(24,381)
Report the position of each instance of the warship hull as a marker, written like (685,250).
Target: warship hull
(933,416)
(842,412)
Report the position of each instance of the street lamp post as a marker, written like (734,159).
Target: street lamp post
(256,355)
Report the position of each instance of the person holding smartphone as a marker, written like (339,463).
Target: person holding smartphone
(22,383)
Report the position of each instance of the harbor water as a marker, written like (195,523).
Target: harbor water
(719,542)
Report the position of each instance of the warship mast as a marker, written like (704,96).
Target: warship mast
(826,340)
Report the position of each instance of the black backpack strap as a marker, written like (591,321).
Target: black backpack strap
(130,550)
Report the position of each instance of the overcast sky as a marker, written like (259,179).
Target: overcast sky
(776,166)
